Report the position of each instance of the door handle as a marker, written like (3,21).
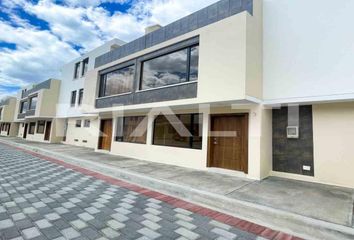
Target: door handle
(215,141)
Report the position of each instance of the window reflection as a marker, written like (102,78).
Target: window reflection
(170,69)
(117,82)
(194,59)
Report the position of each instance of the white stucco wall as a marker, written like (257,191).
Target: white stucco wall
(333,132)
(82,134)
(308,50)
(70,84)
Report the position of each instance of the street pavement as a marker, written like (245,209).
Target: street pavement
(41,199)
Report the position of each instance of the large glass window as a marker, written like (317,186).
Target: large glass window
(77,70)
(31,128)
(131,129)
(117,82)
(40,127)
(184,130)
(173,68)
(84,66)
(73,98)
(81,95)
(23,107)
(33,103)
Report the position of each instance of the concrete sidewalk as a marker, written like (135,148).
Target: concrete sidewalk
(313,211)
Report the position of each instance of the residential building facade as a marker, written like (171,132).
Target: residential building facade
(254,88)
(77,127)
(7,113)
(36,110)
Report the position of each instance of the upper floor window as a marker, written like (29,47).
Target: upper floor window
(77,70)
(0,112)
(117,82)
(23,107)
(33,103)
(81,95)
(173,68)
(85,63)
(73,98)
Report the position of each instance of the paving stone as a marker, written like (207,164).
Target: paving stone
(224,233)
(110,233)
(10,233)
(149,233)
(70,233)
(78,224)
(115,224)
(187,233)
(52,202)
(85,216)
(51,232)
(90,233)
(18,216)
(43,224)
(31,233)
(7,223)
(52,216)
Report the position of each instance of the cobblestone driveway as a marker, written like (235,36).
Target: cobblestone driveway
(43,200)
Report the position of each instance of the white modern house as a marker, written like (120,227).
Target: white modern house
(77,127)
(255,88)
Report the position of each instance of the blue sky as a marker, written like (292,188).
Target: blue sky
(37,37)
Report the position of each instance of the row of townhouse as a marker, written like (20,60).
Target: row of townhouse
(248,87)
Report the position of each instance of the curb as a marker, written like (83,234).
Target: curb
(290,223)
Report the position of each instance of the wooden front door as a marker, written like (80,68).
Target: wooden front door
(25,131)
(228,142)
(106,135)
(47,130)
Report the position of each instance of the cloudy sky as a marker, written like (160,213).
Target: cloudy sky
(38,36)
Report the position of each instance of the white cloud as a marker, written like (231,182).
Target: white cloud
(40,53)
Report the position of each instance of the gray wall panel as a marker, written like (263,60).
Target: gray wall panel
(201,18)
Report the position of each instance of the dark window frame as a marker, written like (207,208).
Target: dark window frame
(85,62)
(40,124)
(77,125)
(77,70)
(73,98)
(188,66)
(137,62)
(190,130)
(102,80)
(31,128)
(87,123)
(22,106)
(123,138)
(30,102)
(80,97)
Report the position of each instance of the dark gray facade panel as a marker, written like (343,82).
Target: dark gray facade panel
(166,94)
(201,18)
(177,92)
(30,112)
(39,86)
(21,115)
(289,155)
